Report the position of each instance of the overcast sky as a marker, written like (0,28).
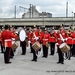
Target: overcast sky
(56,7)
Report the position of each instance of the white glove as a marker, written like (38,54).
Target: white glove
(37,38)
(56,44)
(66,39)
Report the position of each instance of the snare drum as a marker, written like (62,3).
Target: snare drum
(36,46)
(14,46)
(64,47)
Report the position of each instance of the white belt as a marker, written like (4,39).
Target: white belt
(59,38)
(45,39)
(52,37)
(7,40)
(13,39)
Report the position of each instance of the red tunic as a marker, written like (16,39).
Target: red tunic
(46,38)
(0,38)
(34,37)
(7,38)
(53,37)
(59,40)
(30,36)
(40,36)
(69,40)
(73,37)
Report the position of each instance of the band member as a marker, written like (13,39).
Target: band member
(30,38)
(40,35)
(13,31)
(73,45)
(35,38)
(45,41)
(23,44)
(1,40)
(7,43)
(52,41)
(70,43)
(61,32)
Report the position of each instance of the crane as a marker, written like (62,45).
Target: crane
(23,8)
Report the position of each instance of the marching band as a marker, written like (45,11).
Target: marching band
(40,40)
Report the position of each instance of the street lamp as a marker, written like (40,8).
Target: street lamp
(15,12)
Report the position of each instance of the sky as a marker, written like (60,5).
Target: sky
(56,7)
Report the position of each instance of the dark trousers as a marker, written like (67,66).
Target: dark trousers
(45,51)
(23,45)
(52,48)
(31,48)
(2,48)
(34,54)
(60,56)
(7,54)
(12,53)
(73,50)
(69,53)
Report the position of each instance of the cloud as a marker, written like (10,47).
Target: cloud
(6,8)
(56,7)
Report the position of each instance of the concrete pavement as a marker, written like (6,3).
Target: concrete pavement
(22,65)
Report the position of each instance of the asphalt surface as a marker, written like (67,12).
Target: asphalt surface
(22,65)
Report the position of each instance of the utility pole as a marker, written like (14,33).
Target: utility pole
(72,20)
(66,9)
(15,12)
(30,11)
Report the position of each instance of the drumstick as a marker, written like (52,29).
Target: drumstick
(61,37)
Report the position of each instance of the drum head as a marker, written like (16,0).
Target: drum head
(22,35)
(62,45)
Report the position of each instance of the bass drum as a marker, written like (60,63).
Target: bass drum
(22,35)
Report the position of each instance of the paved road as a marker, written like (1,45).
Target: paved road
(22,65)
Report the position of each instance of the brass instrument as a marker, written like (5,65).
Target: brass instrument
(69,31)
(47,45)
(52,31)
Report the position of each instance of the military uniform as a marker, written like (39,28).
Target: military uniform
(45,40)
(60,41)
(30,38)
(7,43)
(52,42)
(73,44)
(69,42)
(24,43)
(35,36)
